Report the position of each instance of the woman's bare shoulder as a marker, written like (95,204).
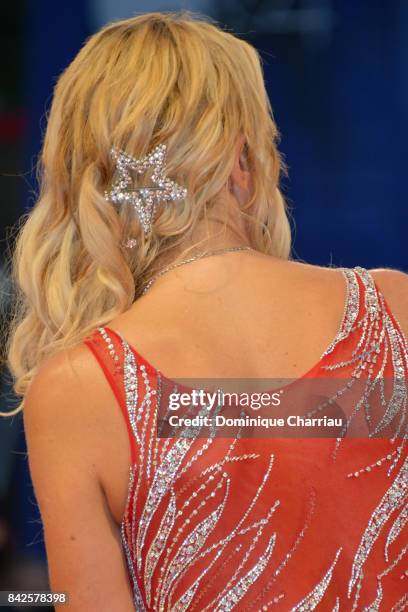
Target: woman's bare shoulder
(315,281)
(63,400)
(392,283)
(62,376)
(328,281)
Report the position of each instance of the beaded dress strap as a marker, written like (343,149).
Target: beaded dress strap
(371,346)
(351,309)
(119,367)
(366,306)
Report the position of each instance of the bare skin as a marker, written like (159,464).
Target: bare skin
(238,314)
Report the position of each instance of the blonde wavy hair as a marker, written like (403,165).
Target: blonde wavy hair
(155,78)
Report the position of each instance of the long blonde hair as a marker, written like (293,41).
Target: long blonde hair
(155,78)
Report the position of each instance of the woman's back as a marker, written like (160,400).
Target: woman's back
(230,523)
(237,315)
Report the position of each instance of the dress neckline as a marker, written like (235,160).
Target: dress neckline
(349,316)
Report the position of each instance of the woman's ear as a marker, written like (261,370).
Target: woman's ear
(240,176)
(243,157)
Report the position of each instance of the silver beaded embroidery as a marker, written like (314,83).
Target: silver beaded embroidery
(392,499)
(377,463)
(315,597)
(163,480)
(289,554)
(190,547)
(350,311)
(337,606)
(137,596)
(131,390)
(375,605)
(234,533)
(401,605)
(396,529)
(234,595)
(233,590)
(159,543)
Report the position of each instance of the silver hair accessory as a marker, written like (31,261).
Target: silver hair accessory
(146,199)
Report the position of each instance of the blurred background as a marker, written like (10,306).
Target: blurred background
(337,75)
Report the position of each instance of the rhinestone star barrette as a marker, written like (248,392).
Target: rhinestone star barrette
(146,199)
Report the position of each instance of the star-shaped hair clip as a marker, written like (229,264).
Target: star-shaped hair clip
(144,200)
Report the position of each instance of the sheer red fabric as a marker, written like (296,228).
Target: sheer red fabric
(254,524)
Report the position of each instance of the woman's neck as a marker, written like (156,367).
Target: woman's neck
(223,227)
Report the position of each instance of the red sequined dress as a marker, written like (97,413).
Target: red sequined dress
(286,524)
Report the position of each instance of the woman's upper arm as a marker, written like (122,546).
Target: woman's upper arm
(83,545)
